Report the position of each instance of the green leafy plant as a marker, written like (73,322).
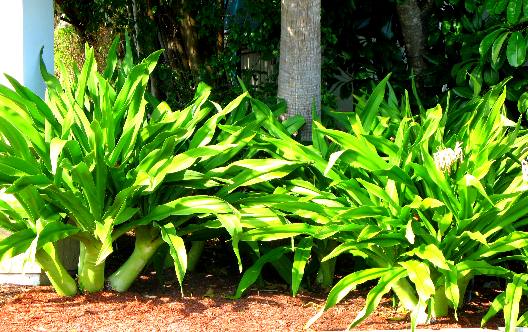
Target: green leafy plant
(74,146)
(425,207)
(447,215)
(96,164)
(488,42)
(35,228)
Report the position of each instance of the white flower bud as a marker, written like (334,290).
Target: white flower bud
(446,158)
(524,164)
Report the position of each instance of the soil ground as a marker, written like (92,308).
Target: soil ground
(149,307)
(154,305)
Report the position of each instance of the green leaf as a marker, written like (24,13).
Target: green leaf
(471,181)
(488,41)
(231,222)
(432,254)
(88,67)
(103,231)
(251,274)
(302,253)
(348,284)
(16,243)
(39,180)
(76,208)
(523,320)
(371,109)
(16,167)
(39,111)
(255,171)
(177,251)
(272,125)
(514,10)
(497,47)
(185,206)
(82,176)
(319,142)
(152,177)
(516,49)
(432,122)
(205,134)
(120,211)
(496,306)
(10,224)
(374,296)
(512,241)
(420,275)
(55,231)
(30,200)
(362,212)
(452,291)
(17,142)
(514,291)
(500,6)
(133,122)
(362,153)
(56,146)
(111,59)
(272,233)
(481,268)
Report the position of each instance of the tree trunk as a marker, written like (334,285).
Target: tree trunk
(410,16)
(190,39)
(300,59)
(135,23)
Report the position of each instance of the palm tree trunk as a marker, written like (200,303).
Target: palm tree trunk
(300,59)
(410,16)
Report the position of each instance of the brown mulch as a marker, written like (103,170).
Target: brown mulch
(155,306)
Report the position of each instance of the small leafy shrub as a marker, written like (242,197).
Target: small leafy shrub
(92,163)
(425,206)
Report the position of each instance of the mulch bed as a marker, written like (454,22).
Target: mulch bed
(158,306)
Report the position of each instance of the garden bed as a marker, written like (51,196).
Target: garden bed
(155,306)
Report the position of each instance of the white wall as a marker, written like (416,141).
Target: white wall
(11,40)
(26,26)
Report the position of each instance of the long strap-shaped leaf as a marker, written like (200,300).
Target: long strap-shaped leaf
(16,243)
(34,105)
(250,276)
(302,254)
(205,134)
(345,286)
(374,296)
(184,206)
(177,251)
(508,301)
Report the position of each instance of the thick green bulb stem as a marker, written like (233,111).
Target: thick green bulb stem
(408,299)
(440,306)
(90,275)
(60,279)
(406,294)
(144,249)
(442,303)
(193,257)
(325,274)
